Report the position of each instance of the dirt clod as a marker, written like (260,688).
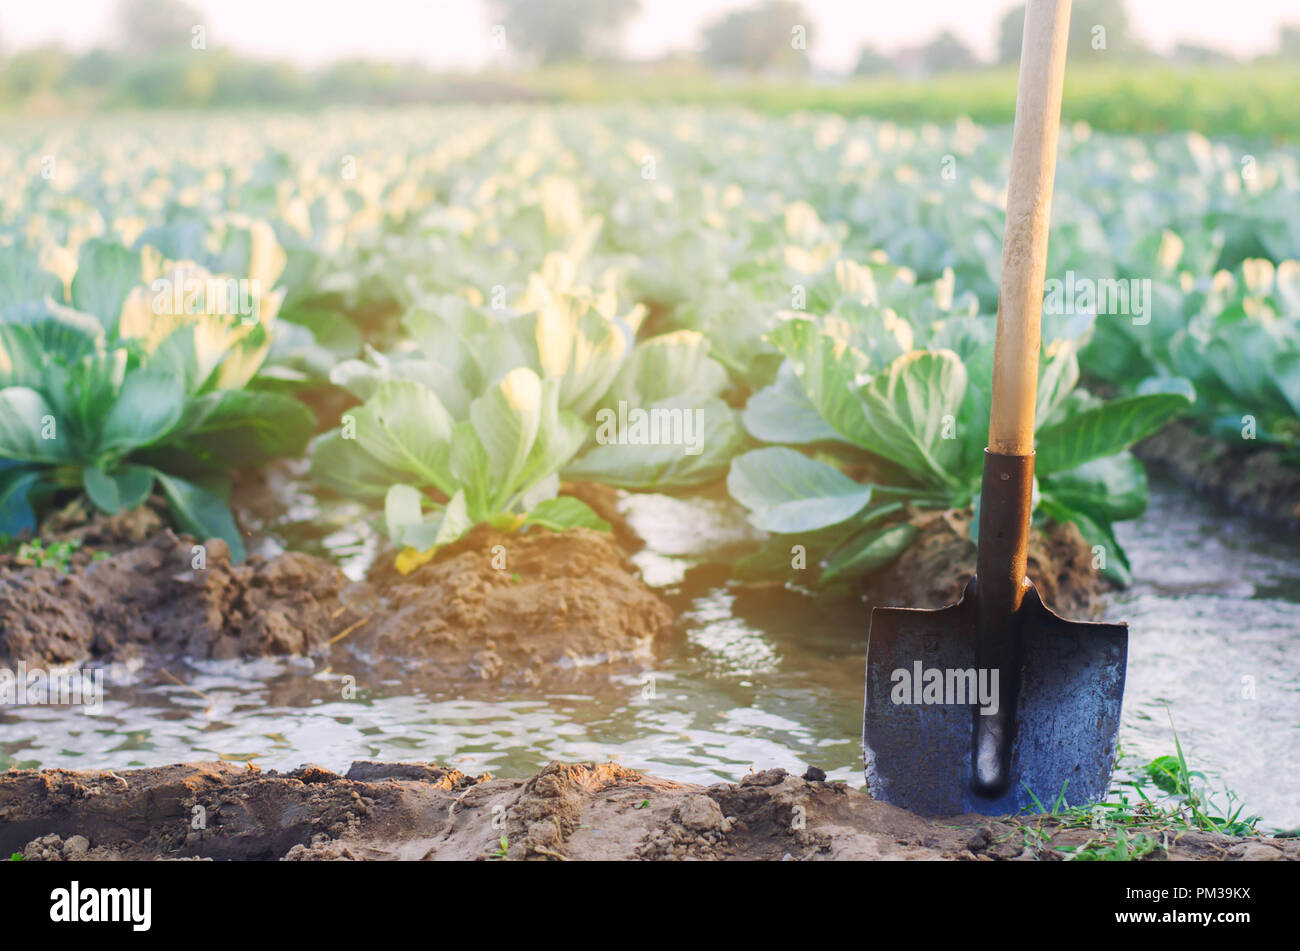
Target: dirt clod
(700,814)
(1256,852)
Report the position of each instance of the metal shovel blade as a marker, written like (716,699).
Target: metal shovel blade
(919,754)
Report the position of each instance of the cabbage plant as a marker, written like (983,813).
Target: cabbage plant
(479,418)
(910,403)
(134,377)
(1235,336)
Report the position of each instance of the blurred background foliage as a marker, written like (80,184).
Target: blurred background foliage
(568,50)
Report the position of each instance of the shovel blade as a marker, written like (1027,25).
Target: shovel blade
(918,755)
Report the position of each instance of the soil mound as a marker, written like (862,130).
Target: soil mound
(934,569)
(164,598)
(505,608)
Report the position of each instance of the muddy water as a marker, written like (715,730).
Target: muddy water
(755,678)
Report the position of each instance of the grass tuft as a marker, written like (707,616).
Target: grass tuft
(1146,811)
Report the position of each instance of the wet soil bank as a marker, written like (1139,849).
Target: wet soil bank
(514,610)
(934,569)
(585,811)
(1257,481)
(505,608)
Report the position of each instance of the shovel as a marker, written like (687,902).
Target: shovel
(995,704)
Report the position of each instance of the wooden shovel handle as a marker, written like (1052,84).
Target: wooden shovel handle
(1029,213)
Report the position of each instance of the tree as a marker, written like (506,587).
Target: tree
(872,62)
(1091,23)
(34,70)
(1288,41)
(146,27)
(772,35)
(945,53)
(95,68)
(1195,54)
(559,31)
(1011,31)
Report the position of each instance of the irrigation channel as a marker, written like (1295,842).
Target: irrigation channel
(754,678)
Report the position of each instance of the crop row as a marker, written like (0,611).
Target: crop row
(653,299)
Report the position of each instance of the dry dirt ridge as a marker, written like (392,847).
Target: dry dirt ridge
(584,811)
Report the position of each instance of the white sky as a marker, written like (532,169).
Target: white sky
(455,34)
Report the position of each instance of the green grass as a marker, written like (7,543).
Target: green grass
(1157,802)
(1252,100)
(57,556)
(1255,100)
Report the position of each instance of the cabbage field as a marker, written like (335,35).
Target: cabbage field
(471,329)
(484,284)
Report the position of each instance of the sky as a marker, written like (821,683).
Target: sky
(456,34)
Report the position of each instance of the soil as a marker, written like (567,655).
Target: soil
(512,610)
(261,497)
(150,602)
(94,532)
(934,569)
(510,607)
(507,609)
(1257,481)
(583,811)
(604,501)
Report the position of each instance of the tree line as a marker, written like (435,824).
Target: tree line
(158,55)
